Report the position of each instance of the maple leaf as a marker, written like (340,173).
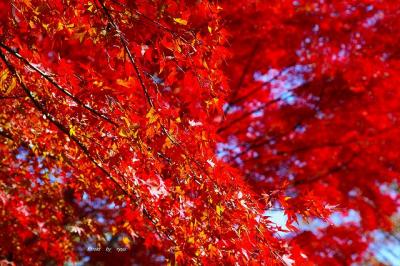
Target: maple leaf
(173,126)
(180,21)
(76,229)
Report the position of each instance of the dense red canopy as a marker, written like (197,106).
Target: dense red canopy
(169,131)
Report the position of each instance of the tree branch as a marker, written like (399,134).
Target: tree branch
(56,85)
(241,79)
(128,51)
(84,149)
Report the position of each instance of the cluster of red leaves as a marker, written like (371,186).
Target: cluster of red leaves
(171,127)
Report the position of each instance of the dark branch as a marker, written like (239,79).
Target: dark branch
(128,51)
(84,149)
(56,85)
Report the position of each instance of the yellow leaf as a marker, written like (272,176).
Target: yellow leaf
(209,29)
(178,48)
(178,255)
(135,134)
(202,235)
(72,131)
(205,64)
(27,3)
(125,240)
(191,240)
(3,75)
(82,179)
(114,230)
(152,115)
(180,21)
(81,36)
(150,132)
(121,55)
(211,102)
(11,86)
(127,122)
(126,83)
(90,6)
(126,224)
(98,83)
(212,249)
(220,209)
(179,190)
(32,24)
(122,132)
(204,217)
(114,147)
(60,26)
(122,83)
(168,143)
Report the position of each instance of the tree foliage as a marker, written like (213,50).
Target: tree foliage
(174,129)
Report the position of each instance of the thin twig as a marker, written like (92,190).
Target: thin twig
(55,84)
(85,150)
